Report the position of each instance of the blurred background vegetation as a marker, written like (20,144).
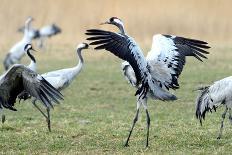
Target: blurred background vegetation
(208,20)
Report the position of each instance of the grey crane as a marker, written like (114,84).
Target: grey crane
(154,75)
(211,97)
(60,79)
(42,33)
(17,51)
(19,79)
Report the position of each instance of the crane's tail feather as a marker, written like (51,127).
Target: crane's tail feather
(49,94)
(157,92)
(204,103)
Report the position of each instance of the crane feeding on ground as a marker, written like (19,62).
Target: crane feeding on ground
(155,74)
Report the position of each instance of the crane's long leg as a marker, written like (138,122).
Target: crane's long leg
(46,116)
(3,116)
(49,120)
(148,127)
(222,123)
(134,121)
(144,102)
(37,107)
(230,116)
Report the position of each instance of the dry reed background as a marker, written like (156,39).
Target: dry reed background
(205,19)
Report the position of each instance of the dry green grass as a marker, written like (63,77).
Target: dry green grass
(99,106)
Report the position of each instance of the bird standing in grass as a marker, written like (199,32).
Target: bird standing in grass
(61,79)
(19,79)
(155,74)
(17,51)
(211,97)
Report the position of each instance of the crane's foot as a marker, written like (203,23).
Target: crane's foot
(147,145)
(126,145)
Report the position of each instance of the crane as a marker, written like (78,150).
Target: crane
(211,97)
(17,51)
(42,33)
(20,78)
(154,74)
(46,32)
(60,79)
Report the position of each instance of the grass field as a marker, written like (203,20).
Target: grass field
(99,106)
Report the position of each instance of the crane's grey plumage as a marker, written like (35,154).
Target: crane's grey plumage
(20,78)
(42,33)
(153,74)
(46,32)
(49,30)
(61,79)
(211,97)
(33,33)
(17,51)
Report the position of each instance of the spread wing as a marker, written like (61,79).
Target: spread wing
(167,57)
(122,46)
(19,78)
(126,48)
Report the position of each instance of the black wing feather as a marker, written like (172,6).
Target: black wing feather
(118,44)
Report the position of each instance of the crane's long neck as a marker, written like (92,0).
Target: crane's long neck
(121,28)
(79,66)
(32,66)
(27,30)
(31,56)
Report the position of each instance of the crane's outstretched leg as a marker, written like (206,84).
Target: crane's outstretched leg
(230,116)
(34,103)
(222,123)
(144,102)
(46,116)
(134,121)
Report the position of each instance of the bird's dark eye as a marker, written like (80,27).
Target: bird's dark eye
(111,19)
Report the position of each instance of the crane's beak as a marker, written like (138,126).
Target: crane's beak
(34,50)
(107,22)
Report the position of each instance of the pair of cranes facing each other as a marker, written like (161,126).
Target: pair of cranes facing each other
(59,80)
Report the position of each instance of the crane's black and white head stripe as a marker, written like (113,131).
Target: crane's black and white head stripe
(114,21)
(82,46)
(27,49)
